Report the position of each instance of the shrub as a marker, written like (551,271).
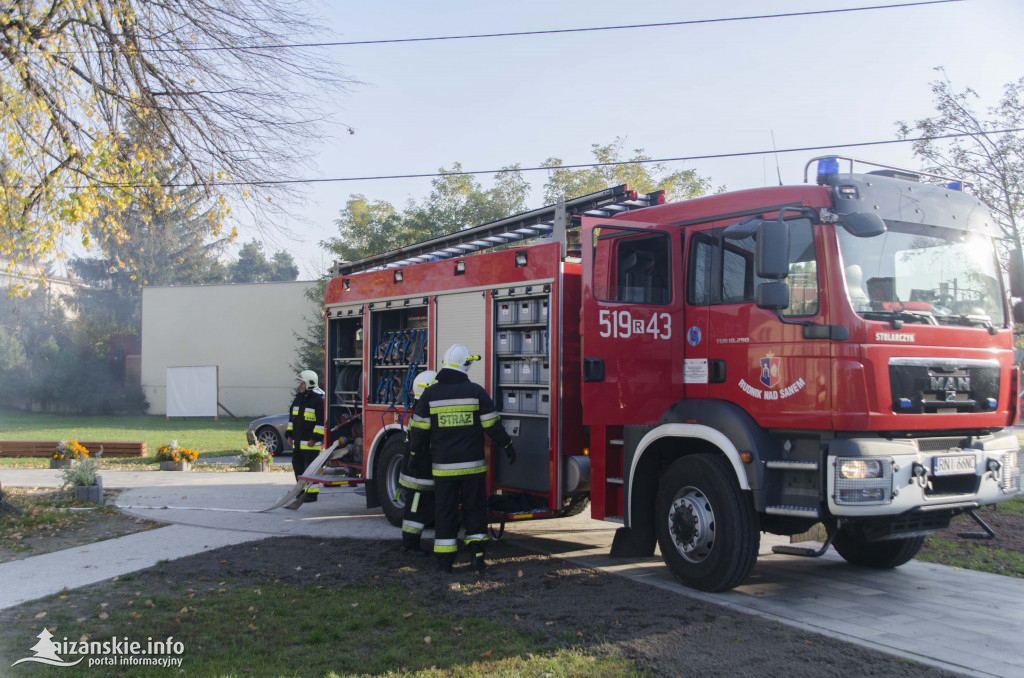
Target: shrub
(81,472)
(173,452)
(256,453)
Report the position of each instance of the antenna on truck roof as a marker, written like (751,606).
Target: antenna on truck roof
(553,221)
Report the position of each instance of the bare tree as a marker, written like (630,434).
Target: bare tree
(987,155)
(224,82)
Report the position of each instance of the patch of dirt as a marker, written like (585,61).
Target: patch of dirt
(563,603)
(65,528)
(1009,529)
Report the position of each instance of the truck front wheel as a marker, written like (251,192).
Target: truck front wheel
(707,528)
(877,554)
(388,469)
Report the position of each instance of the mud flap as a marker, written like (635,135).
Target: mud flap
(631,542)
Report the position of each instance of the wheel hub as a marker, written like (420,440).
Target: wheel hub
(691,523)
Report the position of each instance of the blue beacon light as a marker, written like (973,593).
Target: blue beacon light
(827,166)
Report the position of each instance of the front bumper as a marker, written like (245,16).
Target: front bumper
(909,480)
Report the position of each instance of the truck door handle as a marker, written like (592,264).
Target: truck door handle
(593,369)
(716,371)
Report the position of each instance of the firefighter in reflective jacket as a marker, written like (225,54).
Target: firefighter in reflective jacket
(306,426)
(450,420)
(417,483)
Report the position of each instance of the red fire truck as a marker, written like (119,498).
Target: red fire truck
(704,371)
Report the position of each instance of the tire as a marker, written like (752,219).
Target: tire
(576,505)
(269,436)
(882,555)
(707,528)
(392,456)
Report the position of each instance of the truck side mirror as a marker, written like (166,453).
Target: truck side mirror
(772,253)
(863,224)
(1016,271)
(772,295)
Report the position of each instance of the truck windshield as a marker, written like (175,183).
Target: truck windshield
(923,274)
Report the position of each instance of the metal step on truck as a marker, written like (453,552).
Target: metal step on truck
(704,371)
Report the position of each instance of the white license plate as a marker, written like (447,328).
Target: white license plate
(953,464)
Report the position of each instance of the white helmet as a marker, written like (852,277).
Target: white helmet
(422,381)
(308,376)
(457,357)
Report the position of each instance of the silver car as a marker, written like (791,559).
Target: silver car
(270,430)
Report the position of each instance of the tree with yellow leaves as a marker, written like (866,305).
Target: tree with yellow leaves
(217,79)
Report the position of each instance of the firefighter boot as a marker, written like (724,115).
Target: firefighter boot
(478,562)
(445,562)
(311,494)
(411,544)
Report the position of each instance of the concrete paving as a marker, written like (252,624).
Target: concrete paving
(959,620)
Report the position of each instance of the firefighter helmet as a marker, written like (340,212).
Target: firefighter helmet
(457,357)
(422,381)
(309,377)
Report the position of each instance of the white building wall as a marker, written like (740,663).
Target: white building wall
(247,330)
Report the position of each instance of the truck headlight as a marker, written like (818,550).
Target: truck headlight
(863,481)
(859,469)
(1010,481)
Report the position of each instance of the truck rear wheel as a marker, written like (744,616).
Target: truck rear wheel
(707,528)
(877,554)
(392,456)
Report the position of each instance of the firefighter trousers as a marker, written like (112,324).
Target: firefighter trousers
(300,460)
(471,492)
(417,514)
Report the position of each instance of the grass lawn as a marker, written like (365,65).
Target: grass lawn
(210,438)
(239,627)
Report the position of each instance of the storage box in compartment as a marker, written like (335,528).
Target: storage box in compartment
(526,371)
(505,311)
(508,372)
(509,400)
(508,341)
(528,401)
(544,403)
(543,372)
(526,310)
(530,343)
(542,310)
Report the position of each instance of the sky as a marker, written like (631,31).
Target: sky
(677,91)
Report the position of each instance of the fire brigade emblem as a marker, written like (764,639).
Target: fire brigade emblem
(771,370)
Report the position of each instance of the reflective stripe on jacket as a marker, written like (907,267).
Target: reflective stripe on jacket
(450,420)
(306,420)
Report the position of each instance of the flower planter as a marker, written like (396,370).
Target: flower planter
(175,466)
(259,466)
(92,494)
(60,463)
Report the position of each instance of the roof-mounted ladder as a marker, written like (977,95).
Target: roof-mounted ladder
(553,221)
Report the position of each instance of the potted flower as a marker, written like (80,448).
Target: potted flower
(173,457)
(66,452)
(81,477)
(256,456)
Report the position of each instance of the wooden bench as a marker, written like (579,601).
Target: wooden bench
(45,448)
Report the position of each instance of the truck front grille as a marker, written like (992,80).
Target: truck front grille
(943,385)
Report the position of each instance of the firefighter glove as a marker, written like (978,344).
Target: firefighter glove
(510,452)
(415,464)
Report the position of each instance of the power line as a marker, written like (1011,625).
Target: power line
(556,31)
(431,175)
